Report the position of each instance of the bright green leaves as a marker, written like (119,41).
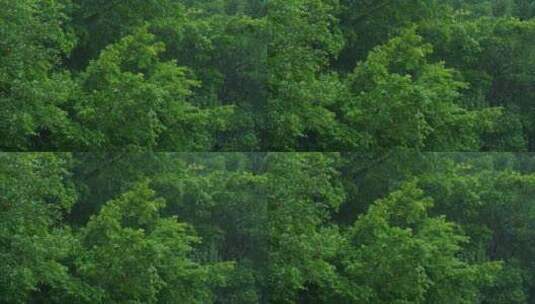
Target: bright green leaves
(268,213)
(304,38)
(132,209)
(400,99)
(301,240)
(134,256)
(33,36)
(398,254)
(317,25)
(367,24)
(397,98)
(132,99)
(404,55)
(224,50)
(32,91)
(34,197)
(100,23)
(265,75)
(266,228)
(127,253)
(494,209)
(493,55)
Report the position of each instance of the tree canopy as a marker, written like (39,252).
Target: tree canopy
(253,75)
(267,151)
(267,228)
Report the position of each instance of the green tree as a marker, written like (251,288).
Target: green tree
(400,99)
(397,253)
(35,89)
(303,39)
(493,57)
(34,245)
(132,254)
(367,24)
(131,99)
(303,193)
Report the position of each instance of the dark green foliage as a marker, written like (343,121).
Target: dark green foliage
(267,228)
(34,87)
(106,84)
(250,75)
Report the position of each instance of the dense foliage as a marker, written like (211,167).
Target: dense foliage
(267,228)
(267,75)
(99,97)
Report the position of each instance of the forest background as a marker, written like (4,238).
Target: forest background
(273,75)
(90,90)
(267,228)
